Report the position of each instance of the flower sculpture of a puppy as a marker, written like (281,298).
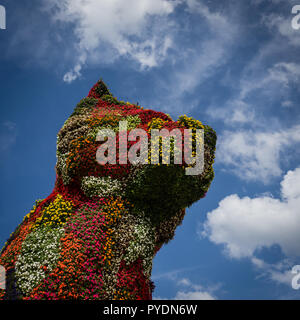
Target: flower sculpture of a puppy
(95,235)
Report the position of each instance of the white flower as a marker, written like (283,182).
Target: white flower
(105,186)
(40,248)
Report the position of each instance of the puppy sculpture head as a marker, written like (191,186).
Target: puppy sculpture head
(157,189)
(109,219)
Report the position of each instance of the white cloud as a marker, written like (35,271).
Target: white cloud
(283,25)
(193,295)
(275,81)
(270,78)
(189,290)
(199,62)
(235,111)
(213,51)
(275,67)
(158,298)
(274,84)
(255,155)
(244,225)
(73,74)
(291,185)
(287,104)
(194,291)
(279,272)
(108,29)
(184,282)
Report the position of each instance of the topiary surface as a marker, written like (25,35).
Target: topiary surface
(95,235)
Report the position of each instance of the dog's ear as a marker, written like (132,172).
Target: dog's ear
(99,90)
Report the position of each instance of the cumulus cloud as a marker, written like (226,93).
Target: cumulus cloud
(144,31)
(244,225)
(256,155)
(107,29)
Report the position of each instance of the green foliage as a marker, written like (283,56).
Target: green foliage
(210,138)
(101,89)
(111,121)
(163,190)
(84,106)
(189,122)
(112,100)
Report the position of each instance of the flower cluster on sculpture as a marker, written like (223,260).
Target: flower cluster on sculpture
(95,236)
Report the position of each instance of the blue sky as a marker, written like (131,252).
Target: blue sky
(234,65)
